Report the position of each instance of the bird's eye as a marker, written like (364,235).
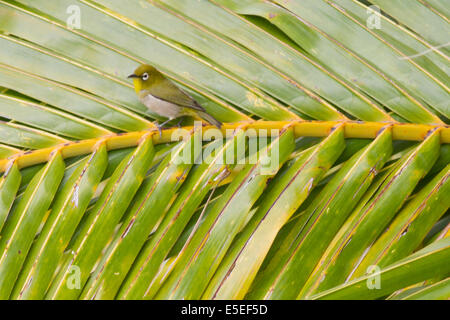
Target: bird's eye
(145,76)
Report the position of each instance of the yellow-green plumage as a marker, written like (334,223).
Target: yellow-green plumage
(161,96)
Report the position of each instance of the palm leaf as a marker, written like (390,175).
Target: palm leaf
(338,135)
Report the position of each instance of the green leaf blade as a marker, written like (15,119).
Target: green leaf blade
(19,231)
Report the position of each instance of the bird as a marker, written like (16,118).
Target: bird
(164,98)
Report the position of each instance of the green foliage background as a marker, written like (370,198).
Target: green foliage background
(341,218)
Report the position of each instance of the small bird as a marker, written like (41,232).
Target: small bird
(163,97)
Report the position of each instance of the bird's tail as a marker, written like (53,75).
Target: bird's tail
(210,119)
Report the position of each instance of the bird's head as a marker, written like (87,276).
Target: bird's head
(143,77)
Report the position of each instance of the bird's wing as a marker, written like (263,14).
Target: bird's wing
(166,90)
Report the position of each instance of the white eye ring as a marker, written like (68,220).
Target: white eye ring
(145,76)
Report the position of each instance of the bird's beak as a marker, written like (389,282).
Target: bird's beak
(133,76)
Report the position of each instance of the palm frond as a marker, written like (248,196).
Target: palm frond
(340,191)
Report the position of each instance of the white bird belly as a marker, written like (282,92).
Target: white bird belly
(161,107)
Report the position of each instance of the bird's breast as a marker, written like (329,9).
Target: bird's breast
(161,107)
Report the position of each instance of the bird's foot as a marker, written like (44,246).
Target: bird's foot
(159,130)
(160,126)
